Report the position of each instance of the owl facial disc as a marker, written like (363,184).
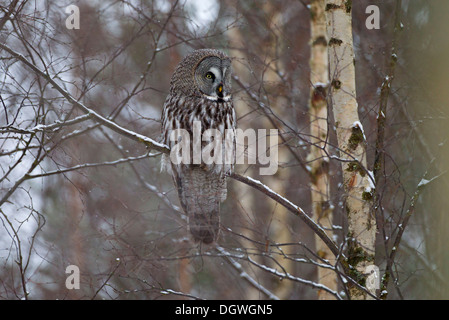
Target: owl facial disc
(212,79)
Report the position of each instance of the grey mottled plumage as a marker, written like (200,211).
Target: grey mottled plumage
(200,91)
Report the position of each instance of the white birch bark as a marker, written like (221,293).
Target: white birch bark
(357,179)
(318,159)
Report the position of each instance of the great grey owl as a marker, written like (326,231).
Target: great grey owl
(200,94)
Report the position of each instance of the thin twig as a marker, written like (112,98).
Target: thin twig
(291,207)
(150,143)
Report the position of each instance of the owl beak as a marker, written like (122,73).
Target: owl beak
(220,90)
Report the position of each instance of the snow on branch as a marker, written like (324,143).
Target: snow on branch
(45,128)
(245,275)
(277,273)
(89,165)
(150,143)
(291,207)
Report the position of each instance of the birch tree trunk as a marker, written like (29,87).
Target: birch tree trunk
(318,159)
(357,179)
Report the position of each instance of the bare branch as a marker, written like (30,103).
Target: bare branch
(150,143)
(297,211)
(244,275)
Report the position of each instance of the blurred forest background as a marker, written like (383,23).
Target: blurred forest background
(84,195)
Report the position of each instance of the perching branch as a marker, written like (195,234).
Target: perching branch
(297,211)
(150,143)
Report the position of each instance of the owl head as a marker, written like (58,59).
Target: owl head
(203,73)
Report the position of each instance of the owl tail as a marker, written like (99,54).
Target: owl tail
(200,193)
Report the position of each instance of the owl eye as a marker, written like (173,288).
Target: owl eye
(210,75)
